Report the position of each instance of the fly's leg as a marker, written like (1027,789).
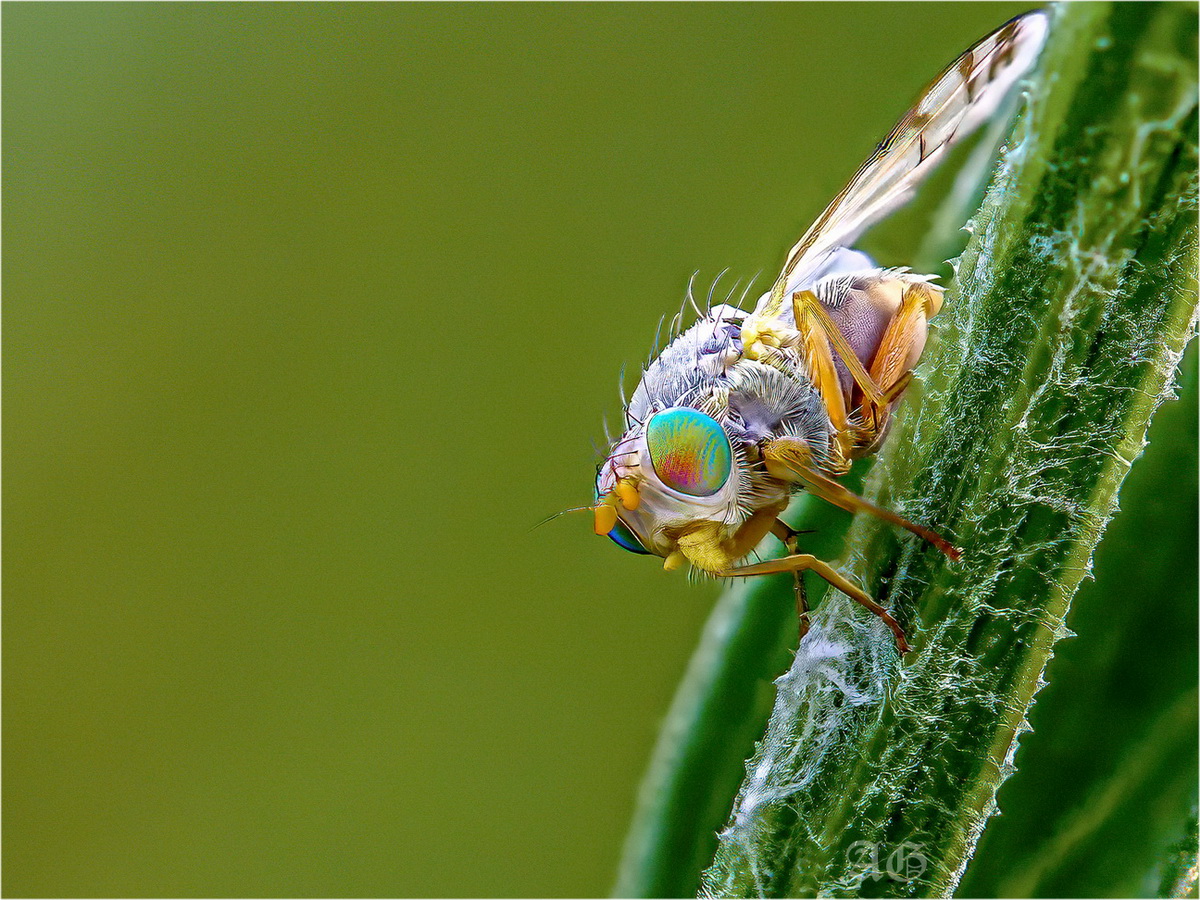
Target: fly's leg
(787,535)
(788,458)
(821,338)
(901,346)
(815,339)
(899,349)
(904,337)
(705,545)
(803,562)
(811,316)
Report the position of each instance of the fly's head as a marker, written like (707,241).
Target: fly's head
(674,486)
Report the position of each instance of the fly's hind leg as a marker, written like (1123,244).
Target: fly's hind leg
(812,317)
(904,338)
(818,341)
(901,346)
(822,339)
(787,535)
(803,562)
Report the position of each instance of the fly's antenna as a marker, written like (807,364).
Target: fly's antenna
(621,389)
(749,284)
(551,518)
(607,433)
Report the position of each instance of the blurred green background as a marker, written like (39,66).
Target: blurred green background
(311,313)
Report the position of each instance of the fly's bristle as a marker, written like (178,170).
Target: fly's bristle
(712,289)
(657,335)
(729,296)
(677,322)
(749,284)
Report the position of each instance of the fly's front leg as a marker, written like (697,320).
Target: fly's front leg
(803,562)
(787,535)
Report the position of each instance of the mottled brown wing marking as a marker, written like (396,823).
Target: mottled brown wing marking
(1006,48)
(966,71)
(964,95)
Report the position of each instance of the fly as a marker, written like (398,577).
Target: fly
(742,410)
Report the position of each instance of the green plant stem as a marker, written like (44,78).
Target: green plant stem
(1178,877)
(1074,301)
(1119,713)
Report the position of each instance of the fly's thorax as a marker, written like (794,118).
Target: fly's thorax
(691,366)
(770,400)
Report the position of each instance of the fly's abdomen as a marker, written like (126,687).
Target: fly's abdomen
(864,305)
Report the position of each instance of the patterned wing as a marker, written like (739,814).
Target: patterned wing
(965,95)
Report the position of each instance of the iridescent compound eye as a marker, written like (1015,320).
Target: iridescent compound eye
(690,451)
(623,536)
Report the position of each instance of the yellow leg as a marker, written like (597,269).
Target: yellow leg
(787,535)
(787,458)
(874,419)
(898,351)
(904,332)
(704,544)
(815,338)
(823,338)
(810,313)
(892,394)
(803,562)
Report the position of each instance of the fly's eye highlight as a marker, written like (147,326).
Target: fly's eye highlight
(690,451)
(622,535)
